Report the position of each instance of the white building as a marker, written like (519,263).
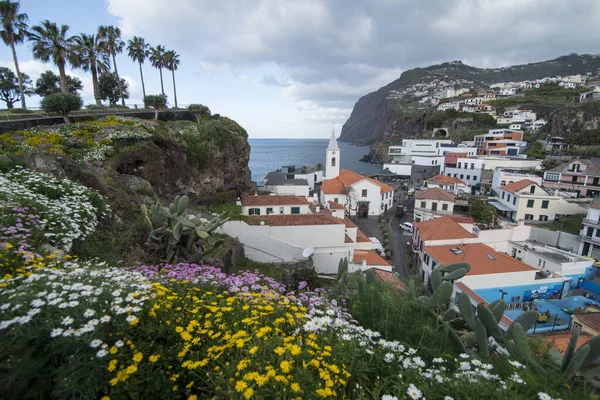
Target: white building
(426,148)
(449,184)
(527,200)
(312,176)
(468,169)
(278,183)
(515,163)
(455,105)
(504,177)
(267,205)
(590,234)
(432,203)
(360,195)
(507,91)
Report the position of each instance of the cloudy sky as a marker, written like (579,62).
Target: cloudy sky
(291,69)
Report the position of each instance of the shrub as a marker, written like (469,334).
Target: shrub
(20,111)
(61,103)
(200,111)
(156,101)
(167,116)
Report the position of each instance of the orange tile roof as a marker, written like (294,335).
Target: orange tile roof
(463,220)
(391,278)
(434,194)
(591,320)
(335,206)
(274,201)
(361,237)
(561,340)
(516,186)
(370,256)
(295,219)
(347,239)
(442,228)
(347,178)
(439,178)
(349,223)
(476,255)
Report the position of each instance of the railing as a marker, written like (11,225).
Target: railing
(594,239)
(591,222)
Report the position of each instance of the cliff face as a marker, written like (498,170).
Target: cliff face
(578,124)
(377,115)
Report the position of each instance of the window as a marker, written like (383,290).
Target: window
(445,207)
(280,210)
(532,189)
(595,182)
(455,175)
(333,161)
(462,176)
(515,200)
(468,177)
(543,218)
(574,179)
(459,164)
(529,217)
(434,206)
(575,167)
(426,259)
(508,197)
(545,203)
(382,197)
(295,210)
(552,176)
(502,183)
(289,176)
(472,165)
(254,211)
(336,200)
(364,193)
(269,210)
(423,204)
(530,203)
(503,195)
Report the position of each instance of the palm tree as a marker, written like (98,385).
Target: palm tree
(157,58)
(88,54)
(171,63)
(137,49)
(52,42)
(112,43)
(14,27)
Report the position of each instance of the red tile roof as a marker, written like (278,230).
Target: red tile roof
(452,158)
(442,228)
(463,220)
(483,259)
(347,178)
(361,237)
(561,340)
(370,256)
(349,223)
(445,179)
(347,239)
(435,194)
(274,201)
(391,278)
(294,220)
(516,186)
(591,320)
(335,206)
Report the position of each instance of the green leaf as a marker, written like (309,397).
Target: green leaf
(466,310)
(570,348)
(497,308)
(482,338)
(456,274)
(453,267)
(488,320)
(436,279)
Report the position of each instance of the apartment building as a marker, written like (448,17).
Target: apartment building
(527,200)
(500,142)
(590,234)
(503,177)
(280,205)
(425,148)
(449,184)
(580,177)
(432,203)
(467,169)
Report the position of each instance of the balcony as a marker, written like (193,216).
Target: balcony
(591,222)
(593,239)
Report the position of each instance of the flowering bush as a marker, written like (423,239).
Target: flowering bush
(60,211)
(194,332)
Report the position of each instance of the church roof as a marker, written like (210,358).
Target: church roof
(332,141)
(348,178)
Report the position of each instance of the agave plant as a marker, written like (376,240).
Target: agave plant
(182,236)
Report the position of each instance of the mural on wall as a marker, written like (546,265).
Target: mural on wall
(543,293)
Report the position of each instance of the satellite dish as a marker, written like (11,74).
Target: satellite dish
(307,252)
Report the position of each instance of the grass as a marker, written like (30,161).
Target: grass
(232,210)
(569,224)
(273,270)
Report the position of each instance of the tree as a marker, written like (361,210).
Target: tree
(52,43)
(49,83)
(137,49)
(110,89)
(171,63)
(200,111)
(10,91)
(481,212)
(14,27)
(319,166)
(112,44)
(62,103)
(157,58)
(550,163)
(156,101)
(536,151)
(88,54)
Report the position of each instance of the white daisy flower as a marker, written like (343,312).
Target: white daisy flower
(96,343)
(56,332)
(119,343)
(67,321)
(544,396)
(413,392)
(89,313)
(101,353)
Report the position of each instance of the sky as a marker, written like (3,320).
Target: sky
(294,69)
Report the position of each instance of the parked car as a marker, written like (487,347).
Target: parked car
(400,210)
(407,226)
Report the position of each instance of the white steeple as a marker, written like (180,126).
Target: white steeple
(332,167)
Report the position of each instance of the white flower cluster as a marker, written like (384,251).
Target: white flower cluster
(98,153)
(74,301)
(68,211)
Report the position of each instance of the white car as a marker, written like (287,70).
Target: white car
(407,226)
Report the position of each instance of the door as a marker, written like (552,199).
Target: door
(363,210)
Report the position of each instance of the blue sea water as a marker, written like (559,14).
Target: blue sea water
(267,155)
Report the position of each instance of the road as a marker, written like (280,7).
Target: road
(399,237)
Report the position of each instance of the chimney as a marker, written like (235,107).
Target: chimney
(262,222)
(318,209)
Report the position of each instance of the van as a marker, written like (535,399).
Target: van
(407,226)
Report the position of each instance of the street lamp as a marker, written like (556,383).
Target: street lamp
(503,293)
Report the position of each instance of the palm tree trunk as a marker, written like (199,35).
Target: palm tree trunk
(95,84)
(12,46)
(142,76)
(64,87)
(118,79)
(162,87)
(174,87)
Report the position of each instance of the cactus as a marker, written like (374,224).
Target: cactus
(456,274)
(466,310)
(436,279)
(578,359)
(570,349)
(489,321)
(482,338)
(526,320)
(453,267)
(441,296)
(182,238)
(497,308)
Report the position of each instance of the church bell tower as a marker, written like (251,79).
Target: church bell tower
(332,167)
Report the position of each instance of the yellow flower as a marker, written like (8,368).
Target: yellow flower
(186,336)
(154,358)
(295,387)
(114,350)
(112,365)
(239,343)
(240,386)
(105,398)
(114,381)
(193,397)
(248,393)
(261,379)
(253,350)
(295,350)
(132,369)
(279,351)
(285,366)
(137,357)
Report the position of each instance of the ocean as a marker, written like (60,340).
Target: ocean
(267,155)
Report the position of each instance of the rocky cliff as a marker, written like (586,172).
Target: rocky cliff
(579,124)
(378,115)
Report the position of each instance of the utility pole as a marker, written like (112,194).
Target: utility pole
(559,232)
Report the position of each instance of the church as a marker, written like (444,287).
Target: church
(361,196)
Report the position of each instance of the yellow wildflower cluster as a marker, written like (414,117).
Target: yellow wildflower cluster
(22,262)
(21,141)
